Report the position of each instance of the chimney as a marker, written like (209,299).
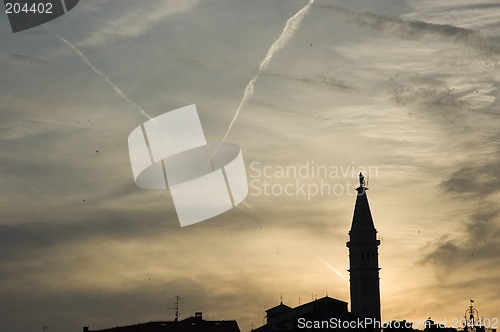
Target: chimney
(198,315)
(85,329)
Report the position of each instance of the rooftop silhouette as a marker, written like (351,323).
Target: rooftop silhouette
(191,324)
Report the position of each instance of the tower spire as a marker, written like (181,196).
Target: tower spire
(362,218)
(363,258)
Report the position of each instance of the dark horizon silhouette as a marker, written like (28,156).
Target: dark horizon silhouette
(326,313)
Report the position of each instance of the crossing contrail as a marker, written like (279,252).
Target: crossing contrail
(332,268)
(115,87)
(291,26)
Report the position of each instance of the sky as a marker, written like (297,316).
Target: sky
(405,90)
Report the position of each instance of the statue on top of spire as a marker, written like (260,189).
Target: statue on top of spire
(362,183)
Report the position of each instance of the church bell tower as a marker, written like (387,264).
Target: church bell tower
(363,259)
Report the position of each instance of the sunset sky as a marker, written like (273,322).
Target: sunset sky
(404,89)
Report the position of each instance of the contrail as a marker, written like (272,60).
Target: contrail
(331,268)
(115,87)
(291,26)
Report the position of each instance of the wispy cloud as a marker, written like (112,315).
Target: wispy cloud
(324,80)
(131,19)
(417,29)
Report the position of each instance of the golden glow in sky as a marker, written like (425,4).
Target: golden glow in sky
(406,91)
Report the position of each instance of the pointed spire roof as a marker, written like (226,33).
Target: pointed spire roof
(362,218)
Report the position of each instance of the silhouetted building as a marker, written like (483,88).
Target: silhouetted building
(430,326)
(324,314)
(192,324)
(328,314)
(363,259)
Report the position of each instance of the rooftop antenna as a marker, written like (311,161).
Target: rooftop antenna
(177,302)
